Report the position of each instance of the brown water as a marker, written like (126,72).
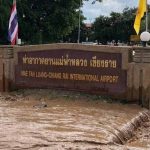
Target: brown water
(38,120)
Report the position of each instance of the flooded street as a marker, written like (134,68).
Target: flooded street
(46,119)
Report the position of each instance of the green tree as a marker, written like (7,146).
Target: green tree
(41,21)
(47,21)
(118,26)
(4,19)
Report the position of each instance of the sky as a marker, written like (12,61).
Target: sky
(92,11)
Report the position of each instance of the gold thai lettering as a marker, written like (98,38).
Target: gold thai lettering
(59,62)
(81,62)
(66,61)
(85,63)
(72,62)
(30,60)
(102,63)
(106,63)
(98,63)
(93,62)
(77,62)
(35,61)
(46,61)
(24,59)
(42,61)
(114,64)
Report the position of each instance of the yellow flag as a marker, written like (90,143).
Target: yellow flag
(140,13)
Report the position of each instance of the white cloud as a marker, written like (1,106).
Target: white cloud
(106,7)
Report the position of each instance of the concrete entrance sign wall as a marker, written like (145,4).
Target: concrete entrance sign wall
(98,69)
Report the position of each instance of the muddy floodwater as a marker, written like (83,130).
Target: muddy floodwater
(56,120)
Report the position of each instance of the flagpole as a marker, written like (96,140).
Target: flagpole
(146,16)
(79,25)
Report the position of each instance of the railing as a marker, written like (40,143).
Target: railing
(141,55)
(6,51)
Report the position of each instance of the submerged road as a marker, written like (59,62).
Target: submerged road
(44,119)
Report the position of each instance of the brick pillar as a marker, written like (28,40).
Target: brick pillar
(6,55)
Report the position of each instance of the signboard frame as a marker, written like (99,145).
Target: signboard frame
(91,71)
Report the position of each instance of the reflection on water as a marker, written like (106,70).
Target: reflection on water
(29,123)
